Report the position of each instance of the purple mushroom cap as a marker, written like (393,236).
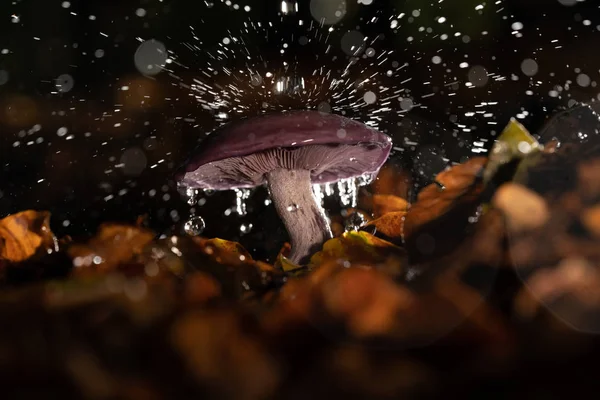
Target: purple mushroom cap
(342,148)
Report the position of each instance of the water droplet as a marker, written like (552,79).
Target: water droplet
(241,195)
(348,192)
(3,77)
(150,57)
(328,12)
(293,207)
(318,193)
(64,83)
(194,226)
(478,76)
(354,222)
(246,228)
(529,67)
(134,161)
(192,196)
(353,43)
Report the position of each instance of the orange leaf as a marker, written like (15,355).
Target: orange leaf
(24,233)
(447,203)
(387,203)
(357,248)
(113,245)
(389,226)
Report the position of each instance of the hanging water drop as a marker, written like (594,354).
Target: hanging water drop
(354,222)
(318,193)
(192,196)
(365,179)
(241,195)
(329,189)
(344,199)
(194,226)
(348,192)
(352,192)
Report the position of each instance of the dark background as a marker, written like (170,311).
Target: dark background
(77,175)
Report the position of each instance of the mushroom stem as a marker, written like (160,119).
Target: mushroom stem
(303,217)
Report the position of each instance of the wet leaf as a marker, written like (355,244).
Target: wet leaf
(217,348)
(283,263)
(24,234)
(514,144)
(112,246)
(386,203)
(455,185)
(389,226)
(235,273)
(357,248)
(449,202)
(391,180)
(224,251)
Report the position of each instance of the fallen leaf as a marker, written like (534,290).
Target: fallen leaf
(391,180)
(515,144)
(112,246)
(387,203)
(448,203)
(224,251)
(217,348)
(235,273)
(456,185)
(389,226)
(25,233)
(523,209)
(358,248)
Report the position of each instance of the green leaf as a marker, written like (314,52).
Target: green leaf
(514,143)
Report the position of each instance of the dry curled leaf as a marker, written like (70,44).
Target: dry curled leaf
(25,233)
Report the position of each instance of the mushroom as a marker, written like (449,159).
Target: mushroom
(289,152)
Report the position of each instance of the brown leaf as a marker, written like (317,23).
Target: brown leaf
(389,226)
(216,348)
(25,233)
(387,203)
(448,203)
(112,246)
(369,301)
(236,274)
(524,209)
(392,181)
(359,248)
(224,251)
